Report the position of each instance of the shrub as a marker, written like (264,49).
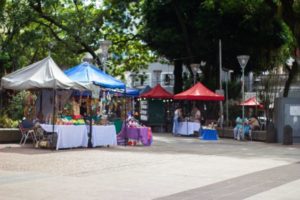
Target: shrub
(6,122)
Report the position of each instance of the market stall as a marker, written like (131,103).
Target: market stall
(188,128)
(104,135)
(155,108)
(133,133)
(102,108)
(44,74)
(69,136)
(53,86)
(252,102)
(146,89)
(197,93)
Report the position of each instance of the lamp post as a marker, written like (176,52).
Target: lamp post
(243,60)
(104,45)
(227,77)
(195,68)
(50,47)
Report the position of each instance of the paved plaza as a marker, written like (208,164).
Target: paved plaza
(172,168)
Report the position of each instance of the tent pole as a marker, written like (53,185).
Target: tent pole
(54,108)
(125,117)
(91,124)
(1,100)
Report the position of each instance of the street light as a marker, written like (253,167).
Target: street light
(50,47)
(104,45)
(228,72)
(195,68)
(243,60)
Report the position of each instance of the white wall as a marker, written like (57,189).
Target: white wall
(156,74)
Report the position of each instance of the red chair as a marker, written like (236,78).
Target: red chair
(27,133)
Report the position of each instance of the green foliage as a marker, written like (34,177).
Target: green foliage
(13,111)
(15,108)
(31,29)
(191,32)
(122,27)
(6,122)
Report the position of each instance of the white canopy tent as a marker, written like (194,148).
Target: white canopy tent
(44,74)
(49,79)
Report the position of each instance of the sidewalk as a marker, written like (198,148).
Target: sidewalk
(172,168)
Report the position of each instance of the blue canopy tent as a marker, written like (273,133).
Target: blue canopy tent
(130,92)
(145,89)
(88,73)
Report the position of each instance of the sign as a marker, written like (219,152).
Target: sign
(295,110)
(144,110)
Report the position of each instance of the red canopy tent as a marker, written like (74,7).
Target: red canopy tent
(199,92)
(158,92)
(251,102)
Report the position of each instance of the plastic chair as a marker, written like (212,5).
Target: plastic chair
(27,133)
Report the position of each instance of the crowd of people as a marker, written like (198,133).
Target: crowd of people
(243,127)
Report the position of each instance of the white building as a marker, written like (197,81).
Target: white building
(156,73)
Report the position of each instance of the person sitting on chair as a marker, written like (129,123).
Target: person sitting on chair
(27,124)
(254,123)
(237,128)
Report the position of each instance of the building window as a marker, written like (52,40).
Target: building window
(140,79)
(167,79)
(157,74)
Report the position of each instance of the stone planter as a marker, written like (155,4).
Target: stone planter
(257,135)
(8,135)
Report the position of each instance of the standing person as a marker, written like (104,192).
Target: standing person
(83,109)
(76,106)
(196,114)
(220,120)
(177,117)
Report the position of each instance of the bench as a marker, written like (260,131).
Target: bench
(257,135)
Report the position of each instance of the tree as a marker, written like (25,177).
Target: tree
(289,10)
(130,53)
(72,28)
(189,32)
(168,32)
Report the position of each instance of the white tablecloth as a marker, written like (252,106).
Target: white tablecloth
(104,135)
(69,136)
(188,128)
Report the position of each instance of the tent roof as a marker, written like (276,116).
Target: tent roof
(199,92)
(157,92)
(251,102)
(147,88)
(88,73)
(42,74)
(130,92)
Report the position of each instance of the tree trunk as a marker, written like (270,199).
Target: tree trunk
(184,29)
(292,74)
(290,18)
(177,76)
